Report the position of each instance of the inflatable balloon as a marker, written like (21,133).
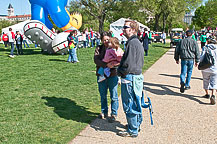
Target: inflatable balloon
(38,29)
(40,9)
(51,43)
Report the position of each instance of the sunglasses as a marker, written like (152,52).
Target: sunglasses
(126,27)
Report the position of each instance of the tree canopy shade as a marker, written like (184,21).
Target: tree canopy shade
(166,13)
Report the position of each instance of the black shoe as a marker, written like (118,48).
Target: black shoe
(187,87)
(206,96)
(212,100)
(112,118)
(182,88)
(126,134)
(101,116)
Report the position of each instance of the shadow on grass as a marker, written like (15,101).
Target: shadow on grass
(26,51)
(167,91)
(69,110)
(177,76)
(59,60)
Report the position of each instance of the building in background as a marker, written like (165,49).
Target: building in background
(188,18)
(12,17)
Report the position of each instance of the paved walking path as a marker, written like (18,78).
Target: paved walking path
(178,118)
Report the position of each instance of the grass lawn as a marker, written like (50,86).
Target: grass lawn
(44,99)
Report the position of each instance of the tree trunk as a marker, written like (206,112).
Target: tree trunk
(164,22)
(156,25)
(101,22)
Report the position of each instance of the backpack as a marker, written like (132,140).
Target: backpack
(5,37)
(207,61)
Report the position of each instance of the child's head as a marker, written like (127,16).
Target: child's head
(114,42)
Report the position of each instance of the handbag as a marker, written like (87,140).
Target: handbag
(207,61)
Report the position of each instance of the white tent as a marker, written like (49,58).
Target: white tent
(17,27)
(117,26)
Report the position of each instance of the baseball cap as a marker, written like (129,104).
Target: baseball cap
(189,31)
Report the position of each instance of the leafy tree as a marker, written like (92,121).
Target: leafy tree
(4,24)
(206,16)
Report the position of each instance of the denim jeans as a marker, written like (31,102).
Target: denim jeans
(131,95)
(110,83)
(92,44)
(72,55)
(12,48)
(97,42)
(186,67)
(25,43)
(84,44)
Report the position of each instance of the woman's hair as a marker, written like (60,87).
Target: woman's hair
(115,42)
(105,34)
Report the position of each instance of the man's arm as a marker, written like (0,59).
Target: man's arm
(123,69)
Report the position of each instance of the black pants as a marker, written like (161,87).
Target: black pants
(146,52)
(6,43)
(203,44)
(19,49)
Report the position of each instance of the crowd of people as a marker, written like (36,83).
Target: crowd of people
(188,51)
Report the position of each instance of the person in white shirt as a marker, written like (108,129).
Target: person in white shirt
(163,36)
(11,40)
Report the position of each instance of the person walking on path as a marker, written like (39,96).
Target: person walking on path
(203,39)
(188,51)
(145,41)
(110,83)
(130,70)
(11,40)
(210,74)
(164,37)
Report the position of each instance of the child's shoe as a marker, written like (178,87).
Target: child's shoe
(101,78)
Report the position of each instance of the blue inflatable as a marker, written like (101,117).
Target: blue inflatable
(40,9)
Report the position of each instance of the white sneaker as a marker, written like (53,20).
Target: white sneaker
(101,78)
(11,56)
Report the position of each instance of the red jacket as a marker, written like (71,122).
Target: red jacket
(5,37)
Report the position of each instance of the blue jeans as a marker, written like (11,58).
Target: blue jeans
(110,83)
(12,48)
(97,42)
(131,94)
(72,55)
(92,43)
(25,42)
(186,67)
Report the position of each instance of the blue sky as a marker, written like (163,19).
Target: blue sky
(20,6)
